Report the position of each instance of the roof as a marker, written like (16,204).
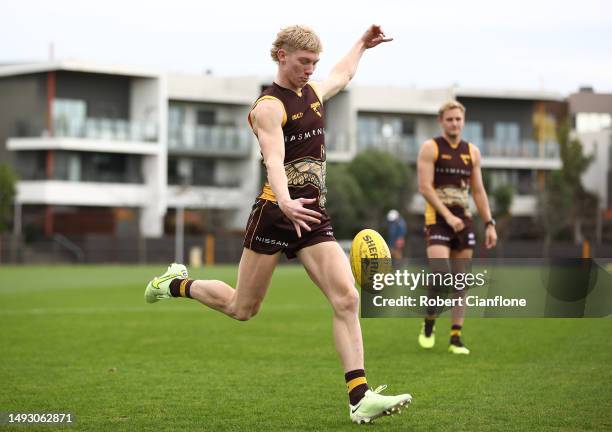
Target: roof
(74,66)
(535,95)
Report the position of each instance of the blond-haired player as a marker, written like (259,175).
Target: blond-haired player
(289,214)
(447,168)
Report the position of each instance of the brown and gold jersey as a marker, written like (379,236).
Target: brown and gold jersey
(304,135)
(452,175)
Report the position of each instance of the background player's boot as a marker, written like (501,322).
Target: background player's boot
(457,347)
(374,405)
(158,288)
(425,341)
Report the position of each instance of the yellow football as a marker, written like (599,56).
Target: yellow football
(370,245)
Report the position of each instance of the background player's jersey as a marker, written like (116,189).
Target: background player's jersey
(303,131)
(452,175)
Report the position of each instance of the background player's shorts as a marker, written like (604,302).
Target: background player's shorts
(443,234)
(269,231)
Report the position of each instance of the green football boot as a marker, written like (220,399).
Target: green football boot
(427,342)
(158,288)
(458,349)
(374,405)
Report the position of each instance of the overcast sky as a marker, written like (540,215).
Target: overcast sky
(532,45)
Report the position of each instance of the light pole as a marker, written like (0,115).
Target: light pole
(179,233)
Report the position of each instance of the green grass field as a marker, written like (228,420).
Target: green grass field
(81,339)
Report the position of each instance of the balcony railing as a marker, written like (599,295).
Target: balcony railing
(210,140)
(403,146)
(407,146)
(520,149)
(107,129)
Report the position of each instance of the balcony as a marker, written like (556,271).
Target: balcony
(219,197)
(105,129)
(496,154)
(58,192)
(215,140)
(520,149)
(86,134)
(405,147)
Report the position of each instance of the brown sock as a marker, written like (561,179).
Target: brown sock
(181,287)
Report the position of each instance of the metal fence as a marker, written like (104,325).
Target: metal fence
(226,249)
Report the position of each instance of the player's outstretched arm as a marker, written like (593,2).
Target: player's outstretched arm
(267,119)
(425,170)
(344,71)
(479,194)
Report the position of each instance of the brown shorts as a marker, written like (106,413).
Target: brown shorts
(269,231)
(442,234)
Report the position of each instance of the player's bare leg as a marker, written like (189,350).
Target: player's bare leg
(254,275)
(459,263)
(439,255)
(329,269)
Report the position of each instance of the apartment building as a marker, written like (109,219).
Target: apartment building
(88,144)
(118,151)
(591,115)
(214,164)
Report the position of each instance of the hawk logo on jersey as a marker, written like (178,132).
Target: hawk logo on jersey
(297,116)
(315,107)
(465,158)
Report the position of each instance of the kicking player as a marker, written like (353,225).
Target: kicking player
(289,215)
(447,167)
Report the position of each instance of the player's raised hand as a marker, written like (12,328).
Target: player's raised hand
(374,36)
(299,215)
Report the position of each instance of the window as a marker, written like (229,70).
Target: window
(203,172)
(522,182)
(111,168)
(408,127)
(507,139)
(472,132)
(507,133)
(176,122)
(191,171)
(31,165)
(67,166)
(69,117)
(206,118)
(592,122)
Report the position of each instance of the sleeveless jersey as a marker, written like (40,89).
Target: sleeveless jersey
(452,175)
(303,131)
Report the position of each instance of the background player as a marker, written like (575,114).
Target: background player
(447,167)
(289,215)
(396,228)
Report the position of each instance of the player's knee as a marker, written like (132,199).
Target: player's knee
(347,302)
(255,309)
(242,315)
(245,313)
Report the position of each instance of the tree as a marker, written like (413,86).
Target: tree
(385,181)
(554,207)
(575,163)
(502,199)
(345,201)
(7,195)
